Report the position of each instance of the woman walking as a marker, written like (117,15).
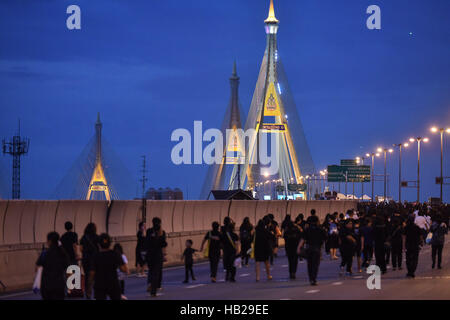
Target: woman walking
(292,235)
(439,230)
(246,236)
(140,250)
(213,239)
(262,247)
(89,245)
(54,262)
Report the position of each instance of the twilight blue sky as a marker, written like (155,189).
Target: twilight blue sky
(151,66)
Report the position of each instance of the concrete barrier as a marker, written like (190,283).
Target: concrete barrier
(24,225)
(3,207)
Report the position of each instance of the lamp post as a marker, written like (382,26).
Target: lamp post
(441,131)
(385,151)
(373,169)
(400,147)
(358,160)
(419,140)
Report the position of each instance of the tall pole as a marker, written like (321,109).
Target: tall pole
(418,169)
(400,173)
(385,176)
(362,181)
(373,164)
(442,158)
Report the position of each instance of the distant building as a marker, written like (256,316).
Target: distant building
(164,194)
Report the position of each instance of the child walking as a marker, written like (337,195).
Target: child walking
(188,260)
(121,275)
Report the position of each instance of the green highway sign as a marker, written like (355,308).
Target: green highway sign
(350,173)
(297,187)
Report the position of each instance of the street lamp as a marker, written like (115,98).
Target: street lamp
(373,155)
(419,140)
(400,146)
(385,151)
(441,131)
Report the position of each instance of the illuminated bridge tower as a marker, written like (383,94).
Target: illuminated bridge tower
(224,175)
(273,111)
(98,183)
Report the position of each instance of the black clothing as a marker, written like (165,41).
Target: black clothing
(68,239)
(347,248)
(246,241)
(263,248)
(314,238)
(106,282)
(397,246)
(412,244)
(437,249)
(214,251)
(380,237)
(229,239)
(53,282)
(188,255)
(292,237)
(90,245)
(188,269)
(140,249)
(155,242)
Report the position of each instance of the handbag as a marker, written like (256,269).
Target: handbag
(37,280)
(429,237)
(206,250)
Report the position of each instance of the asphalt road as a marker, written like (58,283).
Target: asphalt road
(428,284)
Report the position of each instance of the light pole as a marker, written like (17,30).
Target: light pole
(373,169)
(441,131)
(385,174)
(400,146)
(419,140)
(358,160)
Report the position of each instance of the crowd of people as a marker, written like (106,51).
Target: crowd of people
(382,232)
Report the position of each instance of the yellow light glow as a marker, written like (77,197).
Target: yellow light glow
(426,140)
(271,17)
(367,155)
(377,154)
(448,130)
(406,145)
(434,129)
(411,139)
(390,150)
(379,150)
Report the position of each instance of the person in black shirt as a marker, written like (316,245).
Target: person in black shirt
(313,238)
(69,241)
(262,247)
(357,233)
(246,235)
(155,243)
(54,262)
(230,243)
(140,250)
(367,242)
(412,239)
(379,233)
(188,257)
(89,245)
(397,243)
(104,271)
(213,237)
(348,245)
(292,235)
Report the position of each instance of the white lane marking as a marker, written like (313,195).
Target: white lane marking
(196,286)
(15,295)
(338,283)
(312,291)
(244,275)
